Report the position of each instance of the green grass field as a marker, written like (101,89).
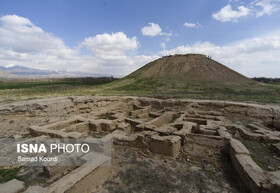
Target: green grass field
(260,93)
(15,91)
(54,82)
(31,89)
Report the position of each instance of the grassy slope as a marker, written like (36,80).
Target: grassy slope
(150,87)
(192,76)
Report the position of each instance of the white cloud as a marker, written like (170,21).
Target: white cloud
(192,25)
(23,43)
(111,46)
(163,45)
(252,57)
(268,7)
(19,34)
(227,14)
(166,34)
(258,8)
(14,20)
(153,29)
(189,24)
(116,53)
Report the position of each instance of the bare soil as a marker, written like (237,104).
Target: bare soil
(136,171)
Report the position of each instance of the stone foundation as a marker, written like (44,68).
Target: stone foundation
(163,127)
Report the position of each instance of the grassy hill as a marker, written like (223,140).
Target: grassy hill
(191,76)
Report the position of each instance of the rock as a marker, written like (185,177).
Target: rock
(194,105)
(163,119)
(12,186)
(34,189)
(222,131)
(165,145)
(17,136)
(236,147)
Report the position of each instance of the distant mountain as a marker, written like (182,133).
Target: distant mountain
(21,71)
(82,74)
(24,71)
(5,74)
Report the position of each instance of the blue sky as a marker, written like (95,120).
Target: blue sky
(118,36)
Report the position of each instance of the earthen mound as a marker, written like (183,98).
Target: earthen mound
(190,68)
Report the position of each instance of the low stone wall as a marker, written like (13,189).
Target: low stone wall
(83,179)
(161,120)
(73,128)
(255,178)
(12,186)
(205,140)
(161,126)
(257,135)
(268,114)
(164,145)
(146,109)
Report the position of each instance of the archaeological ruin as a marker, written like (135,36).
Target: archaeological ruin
(196,134)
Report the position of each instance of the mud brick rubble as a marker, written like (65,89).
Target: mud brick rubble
(162,127)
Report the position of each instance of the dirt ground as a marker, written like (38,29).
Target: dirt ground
(136,171)
(203,164)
